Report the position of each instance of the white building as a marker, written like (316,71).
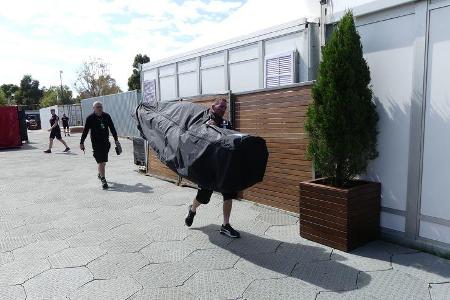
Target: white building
(407,46)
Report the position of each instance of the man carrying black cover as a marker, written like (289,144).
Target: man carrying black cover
(55,132)
(100,123)
(217,112)
(65,122)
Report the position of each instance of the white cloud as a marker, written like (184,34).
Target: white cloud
(50,35)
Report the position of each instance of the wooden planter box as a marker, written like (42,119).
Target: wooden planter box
(342,218)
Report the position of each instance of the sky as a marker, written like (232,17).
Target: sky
(43,37)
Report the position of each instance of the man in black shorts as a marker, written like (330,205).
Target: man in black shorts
(65,122)
(55,132)
(217,112)
(100,123)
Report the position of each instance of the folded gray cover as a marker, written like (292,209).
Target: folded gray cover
(215,158)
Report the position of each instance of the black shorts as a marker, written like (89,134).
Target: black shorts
(204,196)
(66,126)
(55,133)
(101,152)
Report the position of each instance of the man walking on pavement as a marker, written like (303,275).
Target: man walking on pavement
(55,132)
(217,112)
(100,123)
(65,122)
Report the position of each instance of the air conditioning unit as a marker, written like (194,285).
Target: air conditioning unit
(280,69)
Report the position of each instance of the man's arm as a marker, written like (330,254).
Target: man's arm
(87,126)
(112,128)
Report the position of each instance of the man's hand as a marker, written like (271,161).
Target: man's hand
(82,147)
(50,129)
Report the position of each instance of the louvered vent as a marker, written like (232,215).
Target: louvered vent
(280,70)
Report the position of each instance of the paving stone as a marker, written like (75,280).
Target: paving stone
(118,288)
(114,265)
(365,258)
(201,240)
(251,244)
(12,292)
(254,227)
(302,252)
(6,257)
(327,275)
(440,291)
(390,248)
(285,233)
(56,284)
(212,259)
(164,294)
(17,272)
(219,284)
(88,238)
(277,218)
(171,251)
(103,224)
(392,285)
(164,275)
(75,257)
(57,234)
(266,265)
(424,266)
(39,250)
(10,243)
(127,243)
(352,295)
(178,198)
(284,288)
(168,233)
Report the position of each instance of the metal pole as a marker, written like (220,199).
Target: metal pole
(60,79)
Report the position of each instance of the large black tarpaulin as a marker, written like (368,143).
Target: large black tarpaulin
(215,158)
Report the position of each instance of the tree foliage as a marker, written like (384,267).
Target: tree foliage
(52,96)
(3,100)
(94,79)
(134,81)
(342,120)
(9,90)
(29,93)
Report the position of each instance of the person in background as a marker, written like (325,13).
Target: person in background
(55,132)
(65,122)
(100,123)
(216,114)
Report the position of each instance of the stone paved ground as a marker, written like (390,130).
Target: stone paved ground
(62,237)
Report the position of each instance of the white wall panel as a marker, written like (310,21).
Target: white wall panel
(213,60)
(243,53)
(168,88)
(187,84)
(388,48)
(391,221)
(283,44)
(213,80)
(435,231)
(244,76)
(167,70)
(435,199)
(150,74)
(187,66)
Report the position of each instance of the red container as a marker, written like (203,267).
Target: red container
(9,127)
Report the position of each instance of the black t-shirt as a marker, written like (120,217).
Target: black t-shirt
(54,119)
(65,120)
(99,127)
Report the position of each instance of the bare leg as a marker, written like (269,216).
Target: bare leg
(195,205)
(227,206)
(50,144)
(64,143)
(101,169)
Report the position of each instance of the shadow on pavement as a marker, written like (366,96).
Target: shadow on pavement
(24,147)
(137,188)
(296,260)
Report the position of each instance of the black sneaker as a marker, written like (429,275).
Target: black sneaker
(67,149)
(104,183)
(48,151)
(190,217)
(229,231)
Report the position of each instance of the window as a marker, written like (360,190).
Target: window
(280,70)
